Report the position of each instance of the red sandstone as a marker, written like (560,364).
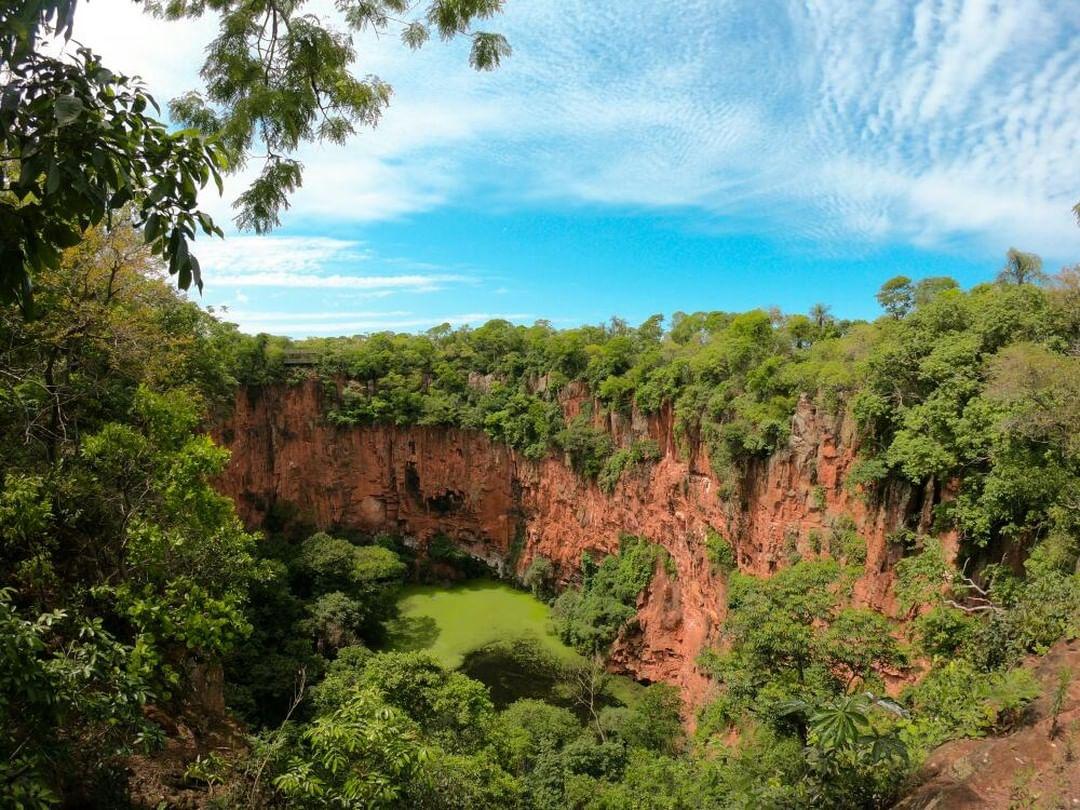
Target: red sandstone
(507,509)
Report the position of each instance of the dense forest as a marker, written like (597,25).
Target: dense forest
(129,588)
(155,651)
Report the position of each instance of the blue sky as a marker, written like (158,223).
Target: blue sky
(629,160)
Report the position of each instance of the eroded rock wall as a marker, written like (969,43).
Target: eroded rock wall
(507,509)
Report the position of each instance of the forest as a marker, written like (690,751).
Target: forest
(156,651)
(131,593)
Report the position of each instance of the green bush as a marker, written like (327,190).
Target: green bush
(589,618)
(720,552)
(588,448)
(539,577)
(957,700)
(944,631)
(845,544)
(639,453)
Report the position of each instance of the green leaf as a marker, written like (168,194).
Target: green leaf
(52,182)
(196,271)
(152,227)
(121,198)
(184,279)
(67,109)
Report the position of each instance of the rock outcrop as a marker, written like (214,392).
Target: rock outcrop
(506,509)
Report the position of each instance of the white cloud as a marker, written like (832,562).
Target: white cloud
(301,325)
(411,283)
(277,254)
(284,265)
(827,123)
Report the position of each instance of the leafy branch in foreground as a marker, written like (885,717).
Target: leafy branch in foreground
(76,143)
(278,77)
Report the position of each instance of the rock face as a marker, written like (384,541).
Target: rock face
(507,509)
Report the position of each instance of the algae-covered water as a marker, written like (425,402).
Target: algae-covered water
(494,633)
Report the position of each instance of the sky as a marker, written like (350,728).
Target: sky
(636,157)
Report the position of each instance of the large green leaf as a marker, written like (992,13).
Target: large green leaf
(67,109)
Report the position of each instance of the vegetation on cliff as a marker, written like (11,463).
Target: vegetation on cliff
(589,617)
(971,391)
(128,582)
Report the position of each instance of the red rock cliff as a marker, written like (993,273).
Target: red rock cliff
(508,509)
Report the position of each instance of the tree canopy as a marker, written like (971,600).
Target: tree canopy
(80,145)
(127,582)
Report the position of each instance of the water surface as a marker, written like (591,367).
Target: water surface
(497,634)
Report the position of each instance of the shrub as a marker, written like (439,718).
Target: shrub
(845,544)
(957,700)
(337,621)
(866,473)
(528,727)
(538,577)
(719,551)
(944,631)
(653,722)
(587,447)
(639,453)
(589,618)
(921,578)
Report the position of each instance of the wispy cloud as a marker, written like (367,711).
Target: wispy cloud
(279,254)
(415,283)
(318,263)
(300,325)
(835,125)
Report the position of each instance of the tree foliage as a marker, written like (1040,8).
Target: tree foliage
(82,146)
(590,617)
(124,573)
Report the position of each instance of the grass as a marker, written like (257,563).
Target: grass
(452,621)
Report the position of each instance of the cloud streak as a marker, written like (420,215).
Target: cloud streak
(825,124)
(343,323)
(317,263)
(413,283)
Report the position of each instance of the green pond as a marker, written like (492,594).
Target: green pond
(497,634)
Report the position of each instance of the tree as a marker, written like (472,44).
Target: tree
(78,146)
(819,314)
(277,75)
(589,681)
(124,574)
(539,576)
(1021,268)
(356,587)
(69,702)
(360,755)
(857,642)
(927,289)
(654,722)
(897,296)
